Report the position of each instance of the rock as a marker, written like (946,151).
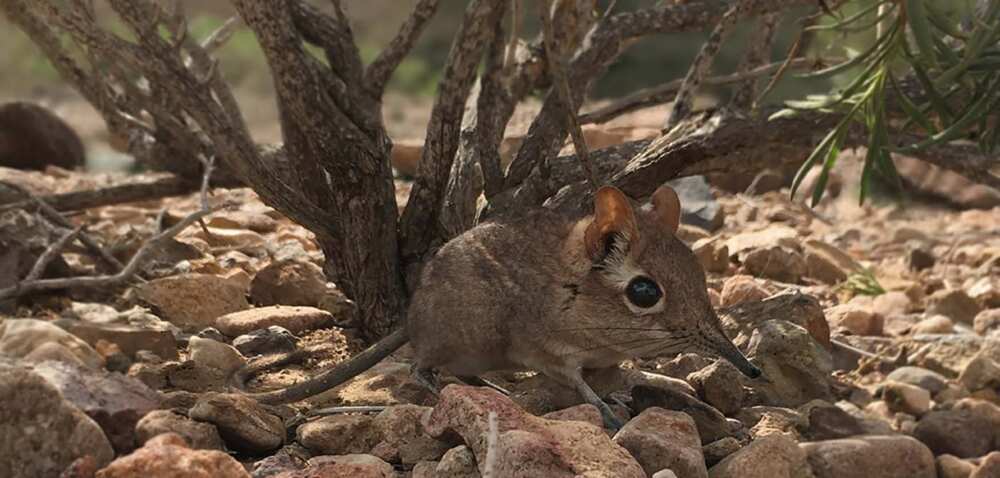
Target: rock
(742,288)
(294,319)
(664,474)
(289,282)
(192,301)
(217,355)
(168,456)
(405,156)
(773,456)
(527,445)
(937,324)
(289,458)
(719,385)
(212,333)
(32,137)
(114,401)
(989,467)
(926,379)
(986,292)
(584,412)
(242,423)
(344,466)
(712,253)
(192,376)
(954,304)
(891,304)
(773,235)
(36,340)
(827,263)
(983,410)
(200,436)
(718,450)
(906,398)
(698,205)
(796,366)
(950,466)
(339,435)
(825,421)
(955,432)
(42,432)
(777,263)
(740,321)
(984,369)
(945,354)
(918,257)
(264,341)
(129,338)
(711,423)
(661,439)
(403,437)
(83,467)
(987,322)
(854,319)
(762,421)
(871,456)
(458,462)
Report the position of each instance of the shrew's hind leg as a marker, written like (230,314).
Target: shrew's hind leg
(574,378)
(425,376)
(482,382)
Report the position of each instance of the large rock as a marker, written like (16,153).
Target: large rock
(827,263)
(984,369)
(339,435)
(294,319)
(200,435)
(129,338)
(41,432)
(926,379)
(661,439)
(36,341)
(711,423)
(168,456)
(989,467)
(403,437)
(343,466)
(458,462)
(797,368)
(242,422)
(216,355)
(719,385)
(987,322)
(773,235)
(772,456)
(288,282)
(192,301)
(854,319)
(114,401)
(740,321)
(906,398)
(782,264)
(527,445)
(956,432)
(32,137)
(954,304)
(742,288)
(870,456)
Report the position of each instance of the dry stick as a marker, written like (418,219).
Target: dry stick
(381,69)
(58,219)
(492,437)
(758,53)
(667,91)
(28,287)
(122,193)
(684,102)
(515,33)
(50,253)
(793,52)
(557,67)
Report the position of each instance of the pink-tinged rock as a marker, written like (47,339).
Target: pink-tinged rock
(871,456)
(200,435)
(661,439)
(527,445)
(168,456)
(338,435)
(192,301)
(742,288)
(989,466)
(37,340)
(584,412)
(288,282)
(243,423)
(855,319)
(295,319)
(771,456)
(343,466)
(116,402)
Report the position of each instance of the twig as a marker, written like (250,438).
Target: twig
(50,253)
(221,35)
(121,193)
(492,437)
(684,101)
(515,34)
(130,269)
(758,53)
(379,72)
(667,91)
(557,67)
(792,56)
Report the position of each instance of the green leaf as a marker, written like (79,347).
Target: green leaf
(916,16)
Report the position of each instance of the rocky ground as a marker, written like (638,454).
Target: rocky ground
(877,327)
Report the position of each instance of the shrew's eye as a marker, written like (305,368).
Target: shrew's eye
(643,292)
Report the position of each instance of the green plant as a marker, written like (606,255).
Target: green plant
(949,51)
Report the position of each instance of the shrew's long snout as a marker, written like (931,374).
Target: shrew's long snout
(724,348)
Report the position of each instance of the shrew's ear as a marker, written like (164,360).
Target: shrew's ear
(666,207)
(613,220)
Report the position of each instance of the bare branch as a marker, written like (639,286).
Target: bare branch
(130,269)
(684,100)
(50,253)
(557,68)
(666,92)
(378,73)
(117,194)
(418,225)
(758,53)
(220,36)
